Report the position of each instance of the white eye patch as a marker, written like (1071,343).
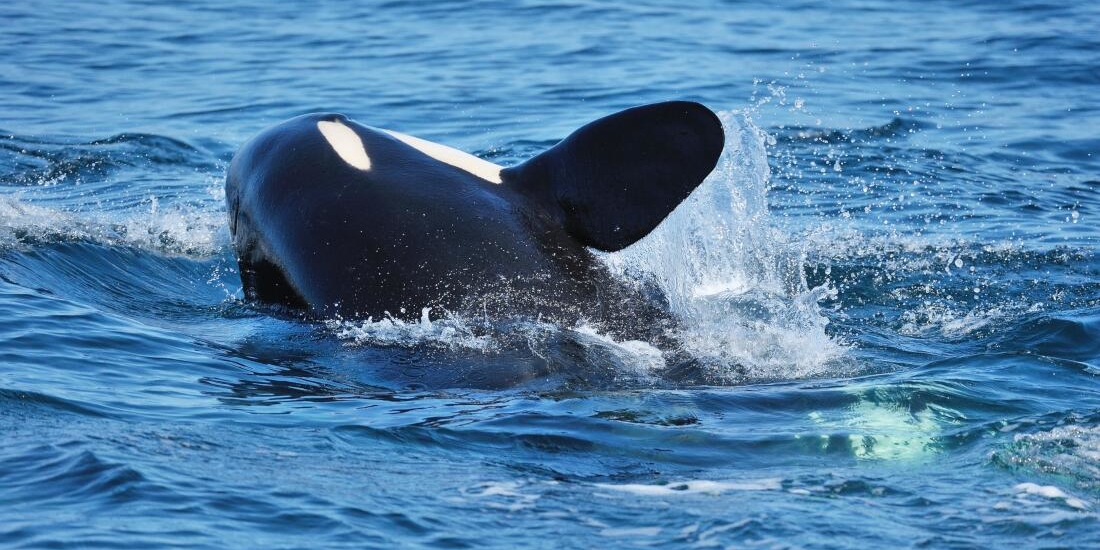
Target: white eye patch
(346,143)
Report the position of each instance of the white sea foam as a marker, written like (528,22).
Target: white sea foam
(1052,493)
(641,358)
(630,362)
(695,486)
(512,496)
(448,331)
(19,219)
(630,532)
(732,277)
(192,230)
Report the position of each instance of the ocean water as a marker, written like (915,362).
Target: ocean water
(890,283)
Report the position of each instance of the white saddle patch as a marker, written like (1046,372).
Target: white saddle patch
(346,143)
(449,155)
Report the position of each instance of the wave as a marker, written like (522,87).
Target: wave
(175,230)
(34,161)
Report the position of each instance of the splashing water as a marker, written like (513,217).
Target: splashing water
(736,281)
(449,332)
(188,230)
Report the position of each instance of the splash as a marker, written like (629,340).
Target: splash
(450,332)
(581,354)
(178,229)
(734,279)
(22,221)
(133,190)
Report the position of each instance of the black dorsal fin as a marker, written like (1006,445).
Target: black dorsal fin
(613,180)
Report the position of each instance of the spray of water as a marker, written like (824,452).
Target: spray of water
(449,332)
(733,278)
(187,230)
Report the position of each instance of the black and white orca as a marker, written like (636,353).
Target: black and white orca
(340,219)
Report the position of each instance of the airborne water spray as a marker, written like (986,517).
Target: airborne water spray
(733,279)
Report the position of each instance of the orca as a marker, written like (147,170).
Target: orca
(337,219)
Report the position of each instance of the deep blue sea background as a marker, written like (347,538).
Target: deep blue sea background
(890,283)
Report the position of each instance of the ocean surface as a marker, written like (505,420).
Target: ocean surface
(889,285)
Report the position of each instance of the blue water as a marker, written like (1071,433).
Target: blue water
(890,284)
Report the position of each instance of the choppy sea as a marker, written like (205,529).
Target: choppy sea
(890,283)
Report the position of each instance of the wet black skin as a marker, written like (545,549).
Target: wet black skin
(317,234)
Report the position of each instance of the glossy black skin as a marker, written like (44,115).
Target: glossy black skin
(314,233)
